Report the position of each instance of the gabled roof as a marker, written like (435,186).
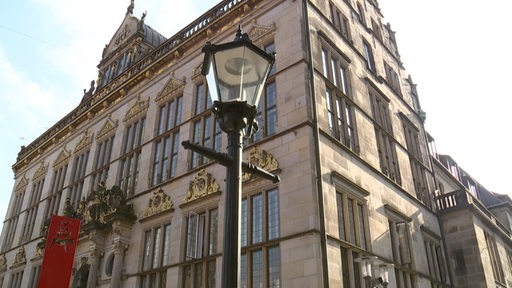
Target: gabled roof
(130,27)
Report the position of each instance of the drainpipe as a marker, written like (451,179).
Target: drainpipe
(316,135)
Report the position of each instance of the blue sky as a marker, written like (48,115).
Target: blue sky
(49,50)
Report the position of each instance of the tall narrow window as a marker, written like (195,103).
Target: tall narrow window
(34,276)
(360,14)
(157,245)
(206,131)
(418,169)
(340,21)
(376,30)
(11,222)
(352,230)
(494,255)
(338,99)
(266,115)
(78,178)
(31,212)
(392,78)
(15,280)
(57,186)
(401,247)
(201,249)
(165,158)
(130,155)
(102,158)
(435,260)
(384,137)
(368,55)
(260,263)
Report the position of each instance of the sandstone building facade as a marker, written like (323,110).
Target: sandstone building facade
(340,123)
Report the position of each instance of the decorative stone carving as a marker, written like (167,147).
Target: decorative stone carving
(140,107)
(84,143)
(19,258)
(159,202)
(3,263)
(261,32)
(102,203)
(39,250)
(62,158)
(22,184)
(262,159)
(119,247)
(40,172)
(172,87)
(203,184)
(108,129)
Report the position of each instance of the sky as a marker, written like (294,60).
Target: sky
(456,51)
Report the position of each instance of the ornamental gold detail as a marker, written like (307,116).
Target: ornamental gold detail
(158,203)
(203,185)
(262,159)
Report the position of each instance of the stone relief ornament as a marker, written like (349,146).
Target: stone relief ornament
(3,263)
(101,204)
(108,129)
(62,158)
(159,202)
(203,184)
(262,159)
(20,258)
(84,143)
(172,87)
(40,172)
(137,110)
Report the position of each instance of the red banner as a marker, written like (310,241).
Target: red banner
(59,252)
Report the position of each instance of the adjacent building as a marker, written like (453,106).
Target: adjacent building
(476,227)
(340,123)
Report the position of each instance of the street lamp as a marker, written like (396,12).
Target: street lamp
(368,263)
(236,73)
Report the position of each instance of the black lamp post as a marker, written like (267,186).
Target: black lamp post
(236,73)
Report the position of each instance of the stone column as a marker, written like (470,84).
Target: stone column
(117,269)
(97,237)
(94,260)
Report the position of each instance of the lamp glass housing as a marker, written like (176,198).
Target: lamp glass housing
(236,71)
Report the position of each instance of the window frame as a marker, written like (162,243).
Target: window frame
(156,244)
(131,151)
(201,267)
(166,145)
(339,103)
(351,250)
(257,251)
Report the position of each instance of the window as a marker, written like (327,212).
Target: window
(436,262)
(266,116)
(368,55)
(340,21)
(384,137)
(130,156)
(201,249)
(78,178)
(392,78)
(497,269)
(418,170)
(400,235)
(31,212)
(57,186)
(339,104)
(12,221)
(360,14)
(102,161)
(157,245)
(260,262)
(34,276)
(206,131)
(15,280)
(376,30)
(352,231)
(165,159)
